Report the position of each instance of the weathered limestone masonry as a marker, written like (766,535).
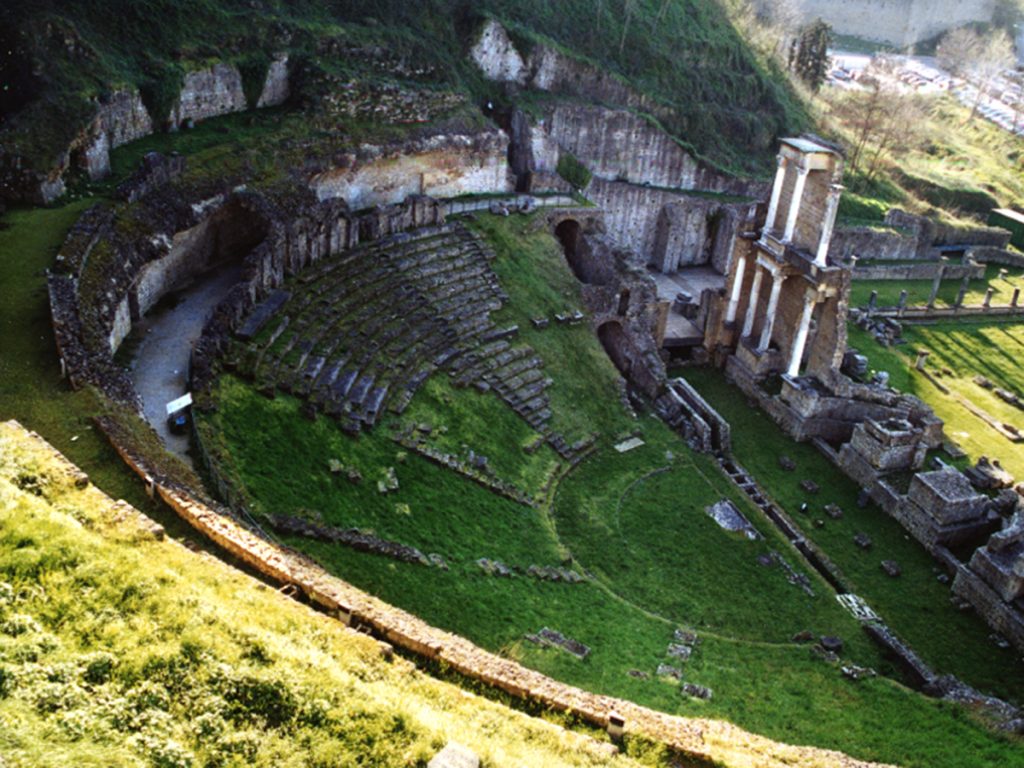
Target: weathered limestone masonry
(956,251)
(993,581)
(671,230)
(206,93)
(618,145)
(704,741)
(898,22)
(799,318)
(445,165)
(122,118)
(619,296)
(104,280)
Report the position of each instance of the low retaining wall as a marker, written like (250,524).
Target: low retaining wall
(923,270)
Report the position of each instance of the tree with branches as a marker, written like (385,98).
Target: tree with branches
(808,54)
(978,58)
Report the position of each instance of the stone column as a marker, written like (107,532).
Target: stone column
(794,203)
(922,358)
(937,283)
(960,297)
(988,298)
(902,303)
(872,301)
(800,340)
(1016,297)
(831,209)
(773,204)
(737,289)
(773,305)
(755,293)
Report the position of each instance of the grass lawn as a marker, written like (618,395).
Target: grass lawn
(916,605)
(919,291)
(634,523)
(116,649)
(965,350)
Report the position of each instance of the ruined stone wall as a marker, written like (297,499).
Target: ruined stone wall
(207,93)
(925,270)
(871,243)
(618,145)
(670,229)
(276,88)
(898,22)
(439,166)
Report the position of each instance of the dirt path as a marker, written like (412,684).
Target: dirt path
(164,339)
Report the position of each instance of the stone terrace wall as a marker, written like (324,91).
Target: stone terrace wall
(446,165)
(706,741)
(617,145)
(122,118)
(666,228)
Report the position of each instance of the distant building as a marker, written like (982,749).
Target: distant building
(899,23)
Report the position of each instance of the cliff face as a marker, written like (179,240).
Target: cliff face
(440,166)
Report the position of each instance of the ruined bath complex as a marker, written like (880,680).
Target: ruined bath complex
(483,353)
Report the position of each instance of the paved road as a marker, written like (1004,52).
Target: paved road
(159,367)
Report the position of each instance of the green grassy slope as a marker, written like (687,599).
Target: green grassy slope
(916,605)
(959,352)
(116,649)
(634,522)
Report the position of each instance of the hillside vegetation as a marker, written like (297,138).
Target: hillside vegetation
(729,105)
(119,649)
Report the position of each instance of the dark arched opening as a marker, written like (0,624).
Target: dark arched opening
(617,346)
(568,234)
(623,307)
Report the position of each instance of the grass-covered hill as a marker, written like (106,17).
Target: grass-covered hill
(56,57)
(117,649)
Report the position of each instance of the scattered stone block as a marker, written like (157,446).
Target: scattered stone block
(638,674)
(853,672)
(863,541)
(678,651)
(698,691)
(335,466)
(540,323)
(806,636)
(834,511)
(891,568)
(667,670)
(809,486)
(863,498)
(551,638)
(832,644)
(787,463)
(724,513)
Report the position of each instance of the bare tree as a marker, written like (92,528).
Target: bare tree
(977,58)
(882,122)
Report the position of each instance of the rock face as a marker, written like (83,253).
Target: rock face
(209,93)
(439,166)
(497,57)
(276,88)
